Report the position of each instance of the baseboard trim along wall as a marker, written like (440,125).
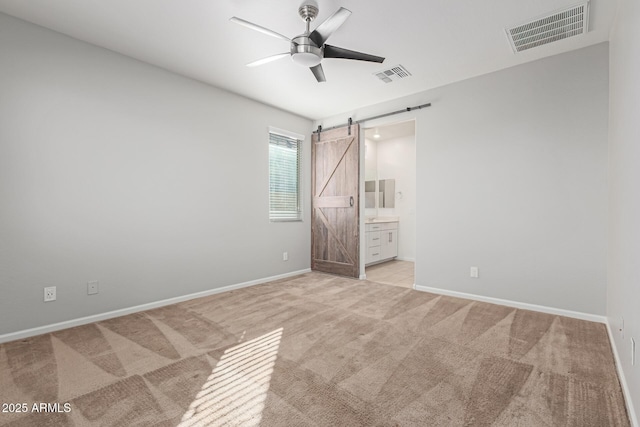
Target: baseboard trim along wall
(516,304)
(623,381)
(143,307)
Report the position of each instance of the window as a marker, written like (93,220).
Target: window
(285,152)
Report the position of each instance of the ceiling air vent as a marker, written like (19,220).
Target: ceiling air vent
(555,26)
(392,74)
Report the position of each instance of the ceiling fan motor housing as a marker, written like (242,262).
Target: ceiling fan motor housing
(305,52)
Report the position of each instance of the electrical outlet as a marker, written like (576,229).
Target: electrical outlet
(50,294)
(92,287)
(285,256)
(474,272)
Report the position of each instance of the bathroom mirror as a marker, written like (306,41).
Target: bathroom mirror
(387,193)
(370,194)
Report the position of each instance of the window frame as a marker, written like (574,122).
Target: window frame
(297,215)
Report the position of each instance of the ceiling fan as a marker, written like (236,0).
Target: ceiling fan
(309,48)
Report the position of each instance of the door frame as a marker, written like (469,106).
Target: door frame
(364,125)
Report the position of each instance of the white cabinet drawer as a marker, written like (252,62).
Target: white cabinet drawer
(373,227)
(373,254)
(373,238)
(379,226)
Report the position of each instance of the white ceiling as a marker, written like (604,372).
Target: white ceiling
(438,41)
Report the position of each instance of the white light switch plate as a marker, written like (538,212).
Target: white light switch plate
(474,272)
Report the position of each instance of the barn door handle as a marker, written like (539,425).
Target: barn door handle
(351,201)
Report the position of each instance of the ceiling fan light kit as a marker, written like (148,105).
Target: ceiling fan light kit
(305,54)
(309,48)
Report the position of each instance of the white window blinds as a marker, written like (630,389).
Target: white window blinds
(284,178)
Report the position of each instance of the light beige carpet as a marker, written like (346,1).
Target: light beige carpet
(317,350)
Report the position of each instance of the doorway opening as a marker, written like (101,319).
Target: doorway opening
(389,218)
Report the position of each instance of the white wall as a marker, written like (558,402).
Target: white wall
(623,295)
(371,172)
(397,160)
(511,177)
(115,170)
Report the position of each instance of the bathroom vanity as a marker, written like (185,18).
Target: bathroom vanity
(381,239)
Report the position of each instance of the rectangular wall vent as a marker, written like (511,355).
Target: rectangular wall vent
(550,28)
(392,74)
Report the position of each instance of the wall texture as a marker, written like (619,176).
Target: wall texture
(623,298)
(512,178)
(117,171)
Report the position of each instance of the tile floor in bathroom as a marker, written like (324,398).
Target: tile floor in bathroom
(396,273)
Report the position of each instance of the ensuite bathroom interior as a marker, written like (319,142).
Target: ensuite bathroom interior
(390,203)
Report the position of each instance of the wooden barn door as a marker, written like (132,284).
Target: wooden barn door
(335,177)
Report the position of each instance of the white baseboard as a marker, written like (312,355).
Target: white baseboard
(516,304)
(623,382)
(405,259)
(143,307)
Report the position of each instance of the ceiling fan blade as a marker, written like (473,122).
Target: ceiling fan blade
(257,27)
(332,23)
(318,72)
(338,52)
(268,59)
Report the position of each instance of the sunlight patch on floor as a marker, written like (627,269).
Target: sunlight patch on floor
(236,391)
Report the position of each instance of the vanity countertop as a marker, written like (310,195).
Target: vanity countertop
(378,219)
